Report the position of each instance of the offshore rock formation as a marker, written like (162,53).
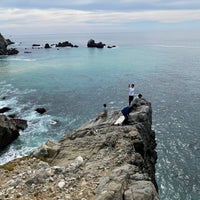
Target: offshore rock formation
(92,44)
(65,44)
(3,47)
(99,161)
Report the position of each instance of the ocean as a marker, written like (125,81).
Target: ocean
(72,84)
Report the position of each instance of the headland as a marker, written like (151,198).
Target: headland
(98,161)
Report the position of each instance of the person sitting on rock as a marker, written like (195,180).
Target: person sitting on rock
(104,113)
(137,100)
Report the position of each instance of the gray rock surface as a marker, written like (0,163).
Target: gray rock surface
(98,161)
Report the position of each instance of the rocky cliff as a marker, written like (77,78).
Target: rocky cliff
(98,161)
(3,47)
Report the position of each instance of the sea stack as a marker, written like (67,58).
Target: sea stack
(92,44)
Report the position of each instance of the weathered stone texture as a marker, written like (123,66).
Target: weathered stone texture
(98,161)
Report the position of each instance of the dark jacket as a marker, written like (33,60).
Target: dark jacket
(125,111)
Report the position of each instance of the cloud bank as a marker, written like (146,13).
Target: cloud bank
(64,15)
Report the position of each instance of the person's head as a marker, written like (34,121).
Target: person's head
(104,105)
(140,95)
(132,85)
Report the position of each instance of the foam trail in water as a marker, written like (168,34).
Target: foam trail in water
(39,126)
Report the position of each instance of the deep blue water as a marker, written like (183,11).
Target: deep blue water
(73,83)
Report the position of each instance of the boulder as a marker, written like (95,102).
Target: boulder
(35,45)
(4,109)
(20,124)
(40,110)
(12,115)
(92,44)
(47,46)
(47,150)
(8,132)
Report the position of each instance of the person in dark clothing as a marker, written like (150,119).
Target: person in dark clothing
(126,110)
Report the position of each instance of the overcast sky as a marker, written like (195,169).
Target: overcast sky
(60,16)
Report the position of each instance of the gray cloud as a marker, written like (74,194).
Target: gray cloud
(49,15)
(104,4)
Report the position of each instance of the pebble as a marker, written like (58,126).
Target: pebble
(61,184)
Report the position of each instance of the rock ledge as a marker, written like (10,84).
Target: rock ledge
(98,161)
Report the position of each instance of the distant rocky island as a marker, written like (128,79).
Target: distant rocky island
(3,46)
(4,43)
(100,161)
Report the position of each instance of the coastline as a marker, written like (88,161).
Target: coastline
(97,161)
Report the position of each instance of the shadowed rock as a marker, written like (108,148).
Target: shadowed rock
(9,42)
(64,44)
(4,109)
(92,44)
(40,110)
(47,46)
(20,124)
(8,132)
(3,47)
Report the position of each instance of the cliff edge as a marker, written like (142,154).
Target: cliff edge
(99,161)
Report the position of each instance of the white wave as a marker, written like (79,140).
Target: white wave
(22,59)
(13,153)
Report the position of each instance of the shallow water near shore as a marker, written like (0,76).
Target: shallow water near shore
(73,83)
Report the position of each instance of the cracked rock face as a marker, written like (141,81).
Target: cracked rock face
(98,161)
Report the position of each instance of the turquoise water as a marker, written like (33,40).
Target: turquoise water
(72,84)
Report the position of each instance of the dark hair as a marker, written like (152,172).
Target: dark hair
(139,95)
(132,85)
(104,105)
